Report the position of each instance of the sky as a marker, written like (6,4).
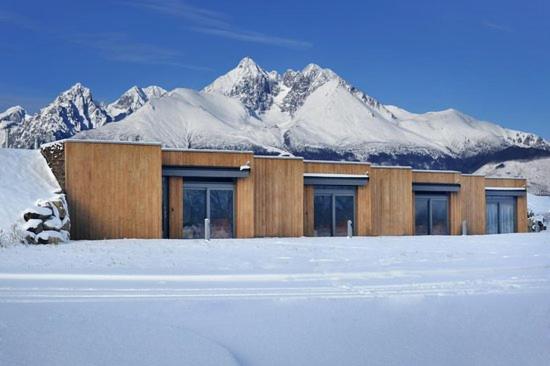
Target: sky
(489,59)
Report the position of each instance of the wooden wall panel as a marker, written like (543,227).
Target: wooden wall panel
(309,223)
(175,207)
(279,199)
(392,201)
(114,190)
(521,212)
(363,226)
(472,196)
(244,187)
(206,158)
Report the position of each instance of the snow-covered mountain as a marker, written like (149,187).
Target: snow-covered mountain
(311,112)
(73,111)
(536,171)
(11,118)
(132,100)
(315,113)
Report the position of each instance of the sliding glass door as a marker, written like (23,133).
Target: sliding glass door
(212,201)
(332,208)
(501,215)
(431,214)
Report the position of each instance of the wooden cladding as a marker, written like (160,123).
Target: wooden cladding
(279,196)
(113,190)
(392,201)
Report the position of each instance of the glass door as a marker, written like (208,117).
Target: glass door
(332,208)
(501,215)
(212,201)
(431,214)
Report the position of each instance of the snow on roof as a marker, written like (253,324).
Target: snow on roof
(392,166)
(505,188)
(331,175)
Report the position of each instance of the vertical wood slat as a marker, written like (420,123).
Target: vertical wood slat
(175,207)
(114,190)
(392,201)
(472,196)
(278,193)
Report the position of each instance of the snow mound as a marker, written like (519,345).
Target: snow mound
(25,178)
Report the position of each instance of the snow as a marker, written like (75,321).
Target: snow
(536,171)
(457,300)
(307,110)
(24,178)
(330,175)
(504,189)
(540,205)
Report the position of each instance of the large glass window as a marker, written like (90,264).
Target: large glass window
(431,214)
(208,200)
(332,208)
(501,215)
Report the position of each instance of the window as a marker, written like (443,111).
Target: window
(212,201)
(501,215)
(431,214)
(165,208)
(332,208)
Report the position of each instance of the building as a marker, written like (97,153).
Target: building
(139,190)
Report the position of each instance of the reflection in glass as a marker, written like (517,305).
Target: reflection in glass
(507,223)
(343,210)
(221,213)
(194,213)
(491,223)
(422,216)
(322,207)
(439,217)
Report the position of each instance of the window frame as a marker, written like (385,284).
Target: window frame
(333,191)
(431,196)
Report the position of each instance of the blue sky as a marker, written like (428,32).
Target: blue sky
(490,59)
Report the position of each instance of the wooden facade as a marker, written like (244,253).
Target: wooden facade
(392,200)
(279,196)
(114,190)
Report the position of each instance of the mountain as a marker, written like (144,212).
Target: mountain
(10,118)
(536,171)
(73,111)
(315,113)
(132,100)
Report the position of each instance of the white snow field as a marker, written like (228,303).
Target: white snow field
(476,300)
(24,178)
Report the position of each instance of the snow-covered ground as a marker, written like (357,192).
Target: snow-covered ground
(476,300)
(24,179)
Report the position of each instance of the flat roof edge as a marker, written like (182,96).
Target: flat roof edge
(436,171)
(115,142)
(392,167)
(176,149)
(278,157)
(338,162)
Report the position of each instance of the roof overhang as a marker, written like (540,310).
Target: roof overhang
(436,187)
(201,172)
(322,179)
(505,191)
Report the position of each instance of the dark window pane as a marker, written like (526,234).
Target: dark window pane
(165,208)
(440,214)
(194,213)
(422,222)
(221,213)
(491,223)
(507,216)
(322,215)
(343,212)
